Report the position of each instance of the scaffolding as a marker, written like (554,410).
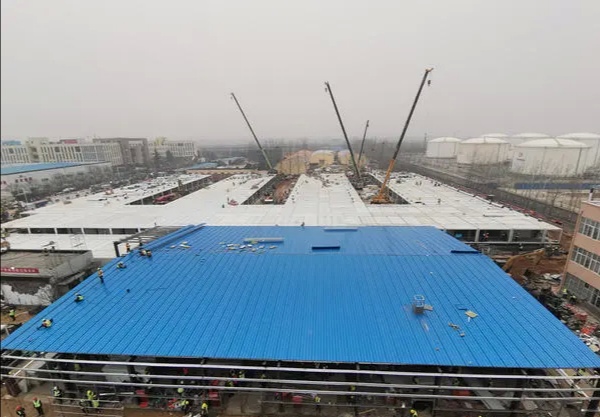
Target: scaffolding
(278,387)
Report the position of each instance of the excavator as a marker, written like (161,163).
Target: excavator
(382,197)
(530,259)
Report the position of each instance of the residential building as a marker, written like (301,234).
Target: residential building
(135,151)
(582,273)
(179,149)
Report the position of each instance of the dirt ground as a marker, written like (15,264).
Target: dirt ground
(22,316)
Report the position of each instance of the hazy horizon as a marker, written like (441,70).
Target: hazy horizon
(148,69)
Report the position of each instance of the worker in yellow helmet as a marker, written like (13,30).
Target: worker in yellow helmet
(204,409)
(413,413)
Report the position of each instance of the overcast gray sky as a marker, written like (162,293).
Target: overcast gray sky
(73,68)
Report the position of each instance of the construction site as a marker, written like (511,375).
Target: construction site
(264,333)
(317,286)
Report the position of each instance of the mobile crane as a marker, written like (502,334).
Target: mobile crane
(382,197)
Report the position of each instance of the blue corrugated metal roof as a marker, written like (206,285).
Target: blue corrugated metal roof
(285,301)
(22,168)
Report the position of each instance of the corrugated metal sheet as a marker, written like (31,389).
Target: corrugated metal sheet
(284,301)
(42,166)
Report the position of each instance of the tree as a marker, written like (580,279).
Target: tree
(170,158)
(156,160)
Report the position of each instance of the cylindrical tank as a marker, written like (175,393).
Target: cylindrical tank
(550,157)
(593,141)
(445,147)
(482,151)
(322,158)
(519,138)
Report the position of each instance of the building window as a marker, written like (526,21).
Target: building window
(586,259)
(577,287)
(589,228)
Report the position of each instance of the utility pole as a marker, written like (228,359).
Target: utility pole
(356,170)
(264,154)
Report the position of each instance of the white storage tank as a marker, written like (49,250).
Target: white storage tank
(517,139)
(445,147)
(593,141)
(550,157)
(482,150)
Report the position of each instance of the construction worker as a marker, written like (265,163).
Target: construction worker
(127,247)
(57,394)
(204,409)
(121,265)
(413,413)
(37,404)
(149,253)
(101,275)
(181,391)
(318,403)
(12,313)
(143,252)
(20,411)
(78,298)
(46,323)
(185,405)
(91,395)
(565,293)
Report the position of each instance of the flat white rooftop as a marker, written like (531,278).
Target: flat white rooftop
(324,200)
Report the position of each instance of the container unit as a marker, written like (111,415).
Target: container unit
(482,151)
(550,157)
(445,147)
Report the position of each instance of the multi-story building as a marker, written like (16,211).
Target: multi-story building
(582,272)
(179,149)
(77,150)
(135,151)
(41,150)
(13,152)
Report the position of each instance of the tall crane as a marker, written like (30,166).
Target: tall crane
(362,144)
(356,170)
(264,154)
(382,197)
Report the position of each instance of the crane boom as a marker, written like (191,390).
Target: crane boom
(362,144)
(264,154)
(381,197)
(356,170)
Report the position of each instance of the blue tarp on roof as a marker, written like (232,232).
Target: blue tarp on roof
(22,168)
(203,295)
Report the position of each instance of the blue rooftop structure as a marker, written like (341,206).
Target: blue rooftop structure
(309,294)
(23,168)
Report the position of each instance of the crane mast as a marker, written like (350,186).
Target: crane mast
(382,197)
(356,170)
(362,144)
(264,154)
